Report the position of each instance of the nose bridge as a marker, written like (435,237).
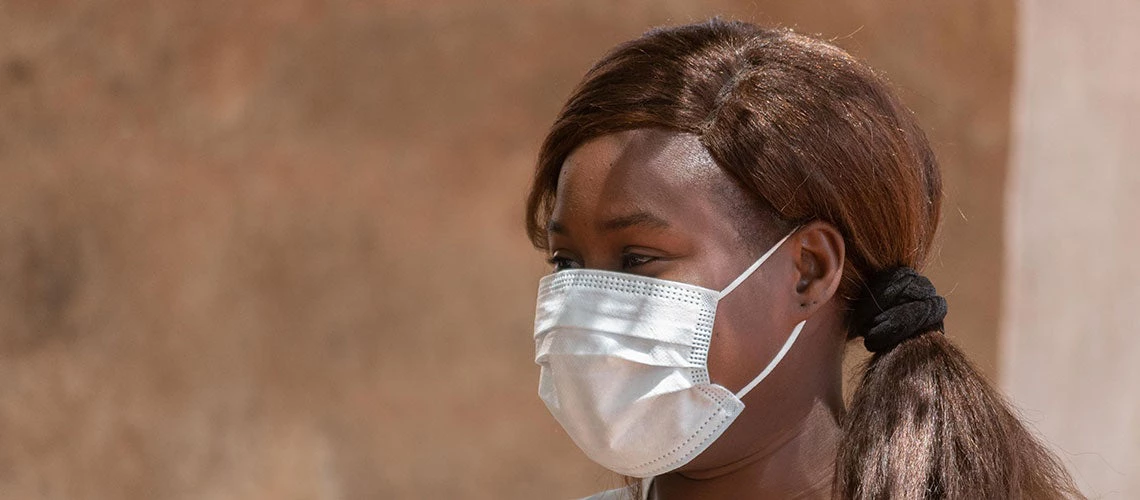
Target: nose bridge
(603,262)
(578,234)
(594,251)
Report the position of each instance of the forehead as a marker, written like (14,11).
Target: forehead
(639,170)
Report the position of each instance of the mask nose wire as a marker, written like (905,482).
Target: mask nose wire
(756,265)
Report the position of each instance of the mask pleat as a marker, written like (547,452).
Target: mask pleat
(590,343)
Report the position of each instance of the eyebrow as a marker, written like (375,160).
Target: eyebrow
(644,219)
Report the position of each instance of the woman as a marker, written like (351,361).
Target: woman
(724,207)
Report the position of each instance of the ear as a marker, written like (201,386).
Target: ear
(819,264)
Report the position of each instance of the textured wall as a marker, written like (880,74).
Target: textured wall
(273,249)
(1071,337)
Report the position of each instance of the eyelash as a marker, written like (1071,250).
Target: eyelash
(559,263)
(643,260)
(628,261)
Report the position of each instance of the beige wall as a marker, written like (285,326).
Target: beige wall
(1071,334)
(274,249)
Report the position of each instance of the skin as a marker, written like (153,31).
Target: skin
(652,202)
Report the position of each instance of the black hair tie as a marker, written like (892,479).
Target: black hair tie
(901,305)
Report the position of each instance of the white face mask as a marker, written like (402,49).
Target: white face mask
(624,366)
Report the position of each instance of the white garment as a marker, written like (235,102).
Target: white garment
(622,493)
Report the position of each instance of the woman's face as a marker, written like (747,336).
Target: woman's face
(654,203)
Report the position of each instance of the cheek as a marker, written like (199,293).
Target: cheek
(743,338)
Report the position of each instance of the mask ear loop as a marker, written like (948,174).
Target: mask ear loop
(791,338)
(775,361)
(756,265)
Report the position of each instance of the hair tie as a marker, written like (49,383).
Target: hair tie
(901,304)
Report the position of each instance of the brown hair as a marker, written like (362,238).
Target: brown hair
(817,135)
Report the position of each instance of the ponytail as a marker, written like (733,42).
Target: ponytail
(924,423)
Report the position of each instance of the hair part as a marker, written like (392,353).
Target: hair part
(814,134)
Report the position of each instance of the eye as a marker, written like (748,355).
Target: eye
(562,263)
(632,260)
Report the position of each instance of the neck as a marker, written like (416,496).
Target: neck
(799,464)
